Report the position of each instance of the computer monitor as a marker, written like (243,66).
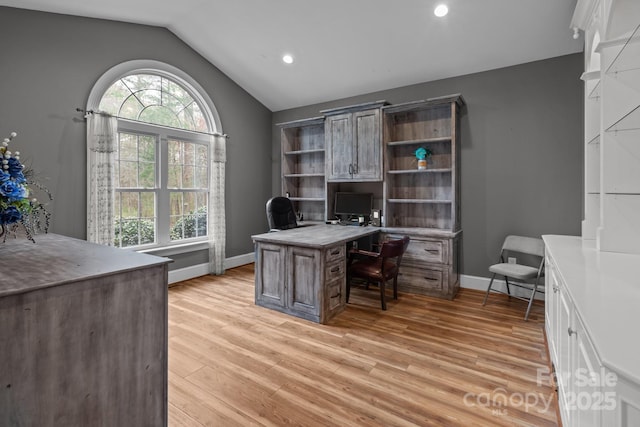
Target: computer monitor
(353,204)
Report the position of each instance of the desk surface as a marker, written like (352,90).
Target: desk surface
(55,260)
(316,236)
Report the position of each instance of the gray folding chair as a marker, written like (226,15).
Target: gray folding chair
(529,269)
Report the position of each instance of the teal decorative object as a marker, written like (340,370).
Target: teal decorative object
(422,154)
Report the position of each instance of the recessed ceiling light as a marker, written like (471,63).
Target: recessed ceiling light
(441,10)
(287,59)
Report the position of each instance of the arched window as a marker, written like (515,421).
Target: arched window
(162,158)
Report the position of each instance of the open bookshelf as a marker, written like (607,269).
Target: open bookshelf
(303,166)
(424,198)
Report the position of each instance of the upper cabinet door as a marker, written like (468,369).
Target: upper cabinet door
(354,146)
(339,146)
(367,146)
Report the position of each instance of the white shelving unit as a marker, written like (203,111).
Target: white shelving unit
(620,146)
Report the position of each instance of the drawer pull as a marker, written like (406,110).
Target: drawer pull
(335,252)
(335,269)
(433,251)
(431,279)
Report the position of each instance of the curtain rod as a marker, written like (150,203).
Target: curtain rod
(87,113)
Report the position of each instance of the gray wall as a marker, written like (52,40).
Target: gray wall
(522,153)
(521,150)
(50,63)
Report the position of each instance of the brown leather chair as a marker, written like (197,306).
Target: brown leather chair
(378,267)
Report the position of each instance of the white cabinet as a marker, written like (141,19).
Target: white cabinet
(590,310)
(612,122)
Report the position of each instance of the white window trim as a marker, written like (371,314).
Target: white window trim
(147,66)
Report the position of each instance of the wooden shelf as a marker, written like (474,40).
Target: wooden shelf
(307,199)
(303,168)
(303,175)
(410,171)
(418,141)
(301,152)
(419,201)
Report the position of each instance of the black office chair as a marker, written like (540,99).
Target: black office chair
(280,214)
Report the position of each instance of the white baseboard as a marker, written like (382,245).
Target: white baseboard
(203,269)
(481,284)
(468,282)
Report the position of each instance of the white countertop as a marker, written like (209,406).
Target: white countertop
(605,288)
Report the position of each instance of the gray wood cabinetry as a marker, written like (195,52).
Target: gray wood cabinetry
(374,144)
(430,265)
(83,335)
(302,271)
(353,142)
(303,166)
(425,203)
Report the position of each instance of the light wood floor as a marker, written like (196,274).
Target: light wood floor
(423,362)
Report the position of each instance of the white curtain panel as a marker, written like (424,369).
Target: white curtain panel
(102,131)
(216,226)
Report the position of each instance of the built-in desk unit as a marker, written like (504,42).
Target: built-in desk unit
(302,271)
(371,148)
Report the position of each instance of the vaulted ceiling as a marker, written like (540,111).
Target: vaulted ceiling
(345,47)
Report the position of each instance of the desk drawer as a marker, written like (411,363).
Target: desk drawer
(425,250)
(334,294)
(335,270)
(421,280)
(335,253)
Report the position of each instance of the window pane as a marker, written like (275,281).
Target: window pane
(128,175)
(135,219)
(161,115)
(147,148)
(128,146)
(201,178)
(150,97)
(202,156)
(176,204)
(130,205)
(130,108)
(148,205)
(136,159)
(147,176)
(188,176)
(188,215)
(175,176)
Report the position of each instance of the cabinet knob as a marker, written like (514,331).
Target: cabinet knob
(350,168)
(555,289)
(571,331)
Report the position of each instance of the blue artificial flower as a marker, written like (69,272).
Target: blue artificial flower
(12,190)
(10,215)
(15,170)
(4,176)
